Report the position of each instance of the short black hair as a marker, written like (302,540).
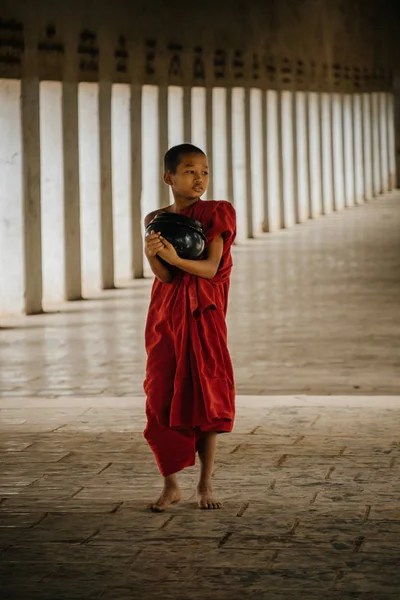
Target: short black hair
(173,157)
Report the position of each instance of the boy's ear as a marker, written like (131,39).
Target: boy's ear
(167,178)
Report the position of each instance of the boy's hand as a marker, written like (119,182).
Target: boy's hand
(168,252)
(153,244)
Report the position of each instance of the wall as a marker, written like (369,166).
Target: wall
(308,44)
(293,101)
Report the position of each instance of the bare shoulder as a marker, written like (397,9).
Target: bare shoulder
(153,214)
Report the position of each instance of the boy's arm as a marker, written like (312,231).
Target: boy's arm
(152,244)
(206,268)
(161,271)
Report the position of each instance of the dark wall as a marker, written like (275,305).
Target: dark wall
(307,44)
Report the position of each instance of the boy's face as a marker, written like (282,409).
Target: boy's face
(191,178)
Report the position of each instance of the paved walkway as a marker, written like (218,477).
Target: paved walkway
(309,477)
(310,488)
(313,310)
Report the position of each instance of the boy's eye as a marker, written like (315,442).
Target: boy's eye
(205,172)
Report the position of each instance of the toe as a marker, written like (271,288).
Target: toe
(156,508)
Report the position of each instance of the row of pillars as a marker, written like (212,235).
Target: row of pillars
(81,164)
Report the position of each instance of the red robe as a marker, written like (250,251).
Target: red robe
(189,381)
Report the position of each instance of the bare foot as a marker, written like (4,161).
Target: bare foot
(206,498)
(169,495)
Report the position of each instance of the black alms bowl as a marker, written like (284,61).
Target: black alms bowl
(185,234)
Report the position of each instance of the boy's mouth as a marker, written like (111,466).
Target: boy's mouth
(198,188)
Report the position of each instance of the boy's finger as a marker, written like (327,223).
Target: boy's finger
(166,243)
(153,240)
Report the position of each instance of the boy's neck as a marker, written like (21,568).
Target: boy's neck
(182,203)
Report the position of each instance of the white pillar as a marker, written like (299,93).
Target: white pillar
(209,140)
(220,171)
(273,162)
(229,146)
(348,144)
(162,142)
(106,198)
(367,147)
(327,154)
(175,116)
(121,180)
(199,135)
(239,161)
(248,163)
(257,159)
(11,200)
(32,208)
(150,150)
(391,141)
(288,163)
(72,219)
(265,224)
(338,174)
(315,154)
(358,149)
(295,160)
(137,172)
(89,177)
(52,191)
(280,162)
(187,114)
(383,131)
(376,158)
(302,156)
(199,121)
(175,120)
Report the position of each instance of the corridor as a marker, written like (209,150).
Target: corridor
(313,310)
(296,104)
(309,477)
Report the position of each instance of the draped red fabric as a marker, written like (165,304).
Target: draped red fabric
(189,382)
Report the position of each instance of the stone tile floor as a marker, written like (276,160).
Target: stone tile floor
(313,310)
(310,487)
(309,477)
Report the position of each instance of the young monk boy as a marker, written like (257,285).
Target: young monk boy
(189,381)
